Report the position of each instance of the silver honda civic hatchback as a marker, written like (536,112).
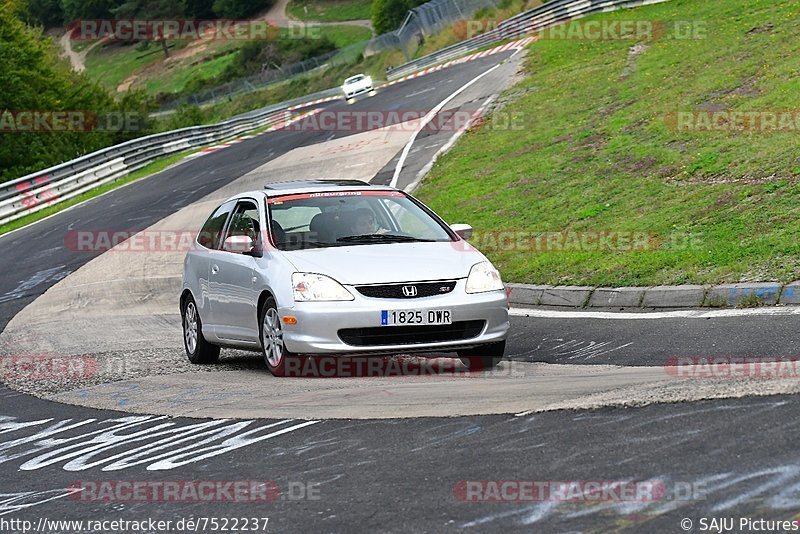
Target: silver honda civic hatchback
(338,267)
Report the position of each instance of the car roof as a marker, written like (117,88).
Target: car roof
(275,189)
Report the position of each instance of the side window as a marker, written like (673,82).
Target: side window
(245,221)
(211,232)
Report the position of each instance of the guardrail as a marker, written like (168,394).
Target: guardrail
(534,20)
(48,187)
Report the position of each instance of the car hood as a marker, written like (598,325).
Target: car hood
(388,263)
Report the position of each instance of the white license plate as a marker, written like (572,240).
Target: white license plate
(413,317)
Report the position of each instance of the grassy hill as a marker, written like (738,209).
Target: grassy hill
(595,149)
(123,66)
(330,10)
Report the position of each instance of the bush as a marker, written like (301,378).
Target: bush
(387,15)
(251,58)
(183,117)
(34,79)
(237,9)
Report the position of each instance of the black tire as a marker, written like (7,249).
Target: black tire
(483,357)
(198,350)
(272,347)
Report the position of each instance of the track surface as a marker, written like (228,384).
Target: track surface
(399,475)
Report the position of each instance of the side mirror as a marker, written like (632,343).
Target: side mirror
(239,244)
(464,231)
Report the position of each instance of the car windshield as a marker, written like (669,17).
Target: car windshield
(354,79)
(345,218)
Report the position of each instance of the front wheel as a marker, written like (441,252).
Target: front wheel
(271,333)
(483,357)
(198,350)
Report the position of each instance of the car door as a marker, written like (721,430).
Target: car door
(232,280)
(197,265)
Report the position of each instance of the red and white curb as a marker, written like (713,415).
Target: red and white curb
(290,120)
(514,45)
(220,146)
(314,102)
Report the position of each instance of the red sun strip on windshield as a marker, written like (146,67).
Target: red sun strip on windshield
(329,194)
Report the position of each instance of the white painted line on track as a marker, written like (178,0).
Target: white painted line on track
(676,314)
(428,90)
(429,117)
(447,146)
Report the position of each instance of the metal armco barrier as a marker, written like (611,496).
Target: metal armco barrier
(539,18)
(42,189)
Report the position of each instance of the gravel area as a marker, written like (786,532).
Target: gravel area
(42,376)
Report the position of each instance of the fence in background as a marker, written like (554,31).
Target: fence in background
(420,22)
(534,20)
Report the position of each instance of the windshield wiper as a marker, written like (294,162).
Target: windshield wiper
(381,237)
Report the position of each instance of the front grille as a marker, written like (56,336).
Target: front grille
(395,291)
(409,335)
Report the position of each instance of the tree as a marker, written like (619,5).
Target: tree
(47,13)
(238,9)
(152,10)
(387,15)
(200,9)
(35,80)
(75,10)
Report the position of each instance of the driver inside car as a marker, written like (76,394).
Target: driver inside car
(364,223)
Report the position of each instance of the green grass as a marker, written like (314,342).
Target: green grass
(112,64)
(343,35)
(591,150)
(174,80)
(79,45)
(330,10)
(152,168)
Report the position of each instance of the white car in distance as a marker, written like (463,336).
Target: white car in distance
(357,85)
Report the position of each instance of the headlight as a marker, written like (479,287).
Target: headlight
(309,287)
(483,277)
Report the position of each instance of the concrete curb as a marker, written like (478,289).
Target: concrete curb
(744,295)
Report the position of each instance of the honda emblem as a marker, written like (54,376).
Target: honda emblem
(409,291)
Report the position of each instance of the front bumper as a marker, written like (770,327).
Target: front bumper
(319,323)
(357,91)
